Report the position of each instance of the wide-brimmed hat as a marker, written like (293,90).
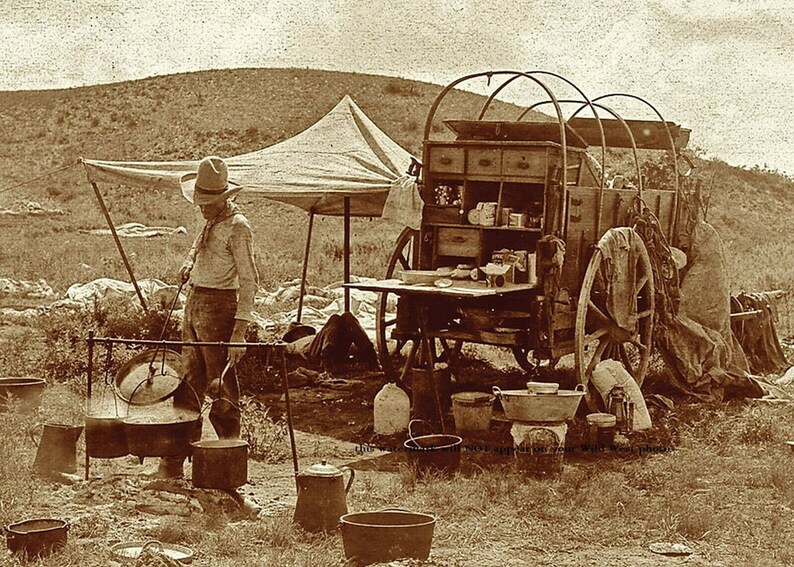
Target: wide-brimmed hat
(297,331)
(210,184)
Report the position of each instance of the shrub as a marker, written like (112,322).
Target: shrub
(265,436)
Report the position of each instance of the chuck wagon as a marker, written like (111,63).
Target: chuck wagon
(528,195)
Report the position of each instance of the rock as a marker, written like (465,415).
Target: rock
(787,379)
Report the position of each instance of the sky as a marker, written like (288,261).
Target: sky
(722,68)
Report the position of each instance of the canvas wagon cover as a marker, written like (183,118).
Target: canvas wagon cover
(344,154)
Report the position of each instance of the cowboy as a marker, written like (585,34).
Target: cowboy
(223,280)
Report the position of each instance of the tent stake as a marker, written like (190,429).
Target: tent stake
(305,266)
(112,228)
(347,253)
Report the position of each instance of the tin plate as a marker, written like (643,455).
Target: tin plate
(134,549)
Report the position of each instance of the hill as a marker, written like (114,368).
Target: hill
(233,111)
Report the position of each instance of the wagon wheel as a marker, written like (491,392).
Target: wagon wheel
(598,337)
(404,257)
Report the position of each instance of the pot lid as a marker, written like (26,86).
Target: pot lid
(149,377)
(472,397)
(322,469)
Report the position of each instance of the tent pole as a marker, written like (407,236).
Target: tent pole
(124,259)
(347,253)
(305,266)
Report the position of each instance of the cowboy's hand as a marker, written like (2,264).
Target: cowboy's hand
(184,273)
(235,354)
(238,336)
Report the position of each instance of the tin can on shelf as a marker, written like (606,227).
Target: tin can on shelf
(488,214)
(505,220)
(518,220)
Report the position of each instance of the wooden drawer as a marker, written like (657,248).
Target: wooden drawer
(484,162)
(463,242)
(525,163)
(446,160)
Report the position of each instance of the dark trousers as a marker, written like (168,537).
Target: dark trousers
(209,317)
(331,347)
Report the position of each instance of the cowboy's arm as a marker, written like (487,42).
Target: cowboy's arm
(242,248)
(187,265)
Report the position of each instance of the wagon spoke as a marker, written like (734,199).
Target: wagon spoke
(599,352)
(624,356)
(404,262)
(597,334)
(597,310)
(644,314)
(642,283)
(636,342)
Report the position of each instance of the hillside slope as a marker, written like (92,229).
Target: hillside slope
(234,111)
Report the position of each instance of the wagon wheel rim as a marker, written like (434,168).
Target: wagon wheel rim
(598,337)
(404,257)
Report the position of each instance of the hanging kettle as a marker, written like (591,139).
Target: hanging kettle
(322,497)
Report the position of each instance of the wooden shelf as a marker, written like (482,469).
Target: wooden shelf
(480,227)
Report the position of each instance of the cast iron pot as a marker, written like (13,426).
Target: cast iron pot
(386,535)
(26,390)
(149,436)
(220,463)
(105,437)
(37,537)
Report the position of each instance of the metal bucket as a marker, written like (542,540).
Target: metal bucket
(105,437)
(37,537)
(472,411)
(387,535)
(439,454)
(220,463)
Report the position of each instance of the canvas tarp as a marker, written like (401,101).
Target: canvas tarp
(698,340)
(344,154)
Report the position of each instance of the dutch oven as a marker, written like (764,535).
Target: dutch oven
(37,537)
(105,437)
(386,535)
(159,435)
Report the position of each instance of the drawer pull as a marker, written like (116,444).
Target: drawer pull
(485,162)
(445,160)
(522,165)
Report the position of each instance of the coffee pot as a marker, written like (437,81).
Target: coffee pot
(56,452)
(322,497)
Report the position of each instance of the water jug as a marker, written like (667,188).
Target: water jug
(392,410)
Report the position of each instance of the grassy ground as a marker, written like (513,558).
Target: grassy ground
(722,487)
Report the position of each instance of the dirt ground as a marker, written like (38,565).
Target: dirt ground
(332,423)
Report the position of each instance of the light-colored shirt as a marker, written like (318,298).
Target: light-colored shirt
(226,261)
